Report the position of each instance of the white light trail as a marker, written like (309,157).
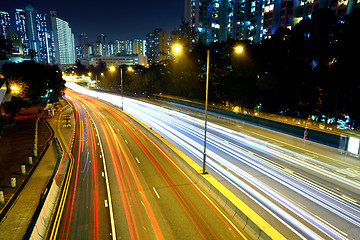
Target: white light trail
(187,132)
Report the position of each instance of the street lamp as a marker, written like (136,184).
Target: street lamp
(206,105)
(112,68)
(177,49)
(96,78)
(239,49)
(15,89)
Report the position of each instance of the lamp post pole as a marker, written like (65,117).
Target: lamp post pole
(122,89)
(206,105)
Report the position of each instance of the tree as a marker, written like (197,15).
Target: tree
(185,35)
(39,81)
(345,67)
(16,104)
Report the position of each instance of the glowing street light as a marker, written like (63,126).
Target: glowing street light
(112,69)
(239,49)
(177,48)
(15,89)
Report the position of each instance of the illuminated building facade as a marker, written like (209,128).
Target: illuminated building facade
(43,38)
(15,39)
(4,23)
(124,47)
(133,59)
(21,28)
(218,20)
(139,46)
(157,46)
(81,46)
(35,38)
(103,42)
(63,41)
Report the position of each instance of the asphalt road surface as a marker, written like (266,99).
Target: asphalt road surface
(121,185)
(302,189)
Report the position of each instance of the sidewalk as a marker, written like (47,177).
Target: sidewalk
(14,224)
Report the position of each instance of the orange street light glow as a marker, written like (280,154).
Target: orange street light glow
(239,49)
(15,89)
(177,48)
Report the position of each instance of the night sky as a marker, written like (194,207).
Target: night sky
(117,19)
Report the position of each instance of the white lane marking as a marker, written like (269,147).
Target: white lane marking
(156,193)
(112,219)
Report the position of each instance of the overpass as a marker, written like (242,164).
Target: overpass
(80,80)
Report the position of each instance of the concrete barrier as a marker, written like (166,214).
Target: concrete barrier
(23,170)
(44,219)
(13,182)
(2,198)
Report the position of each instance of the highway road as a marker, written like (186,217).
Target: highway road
(304,194)
(310,197)
(121,185)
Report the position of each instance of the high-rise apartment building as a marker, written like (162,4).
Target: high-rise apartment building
(111,49)
(35,38)
(15,39)
(138,46)
(218,20)
(124,47)
(27,27)
(98,49)
(4,23)
(81,46)
(43,38)
(157,46)
(103,40)
(63,41)
(20,21)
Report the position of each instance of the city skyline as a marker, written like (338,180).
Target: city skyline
(116,20)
